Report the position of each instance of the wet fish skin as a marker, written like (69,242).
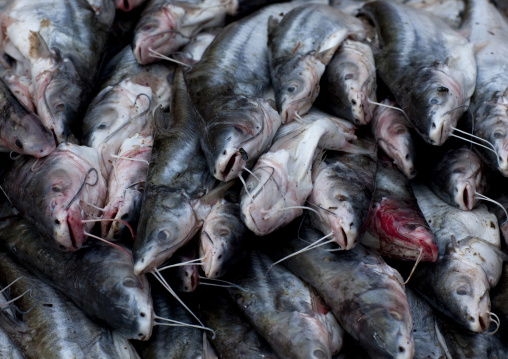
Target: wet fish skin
(172,210)
(391,130)
(52,326)
(350,82)
(54,186)
(430,68)
(285,311)
(298,60)
(352,283)
(395,226)
(99,279)
(22,131)
(458,176)
(343,186)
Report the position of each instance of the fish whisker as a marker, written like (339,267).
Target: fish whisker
(108,242)
(494,318)
(15,157)
(111,220)
(245,186)
(485,198)
(414,267)
(158,55)
(226,285)
(176,323)
(388,106)
(192,261)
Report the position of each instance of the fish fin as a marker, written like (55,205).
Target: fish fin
(454,244)
(183,57)
(38,46)
(273,22)
(325,56)
(217,193)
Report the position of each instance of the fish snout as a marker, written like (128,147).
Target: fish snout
(439,132)
(465,196)
(68,229)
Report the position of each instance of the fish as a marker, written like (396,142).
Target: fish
(99,279)
(281,180)
(228,87)
(429,67)
(395,226)
(167,25)
(458,177)
(468,266)
(342,188)
(51,326)
(390,128)
(184,276)
(365,294)
(285,310)
(487,29)
(60,51)
(349,82)
(223,236)
(21,130)
(125,186)
(58,192)
(301,45)
(450,11)
(172,210)
(8,348)
(235,337)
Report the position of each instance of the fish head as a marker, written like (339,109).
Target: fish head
(187,277)
(241,130)
(435,104)
(466,289)
(59,98)
(24,133)
(122,207)
(167,221)
(313,343)
(296,85)
(158,30)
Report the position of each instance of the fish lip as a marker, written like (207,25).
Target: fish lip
(225,171)
(465,196)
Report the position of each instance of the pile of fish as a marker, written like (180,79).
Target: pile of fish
(338,166)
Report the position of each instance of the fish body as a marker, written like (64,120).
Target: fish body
(343,186)
(172,210)
(350,82)
(21,130)
(125,184)
(366,295)
(301,45)
(59,187)
(8,348)
(281,179)
(488,29)
(458,177)
(287,313)
(468,264)
(429,67)
(391,131)
(51,325)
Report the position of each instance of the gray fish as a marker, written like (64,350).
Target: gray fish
(235,337)
(53,327)
(429,67)
(227,86)
(58,192)
(342,188)
(99,279)
(173,210)
(488,30)
(458,177)
(391,131)
(60,52)
(350,82)
(21,130)
(301,45)
(366,295)
(286,311)
(468,266)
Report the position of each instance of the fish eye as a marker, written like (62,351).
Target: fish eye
(101,126)
(498,134)
(18,143)
(60,107)
(435,101)
(462,290)
(163,235)
(459,170)
(129,282)
(291,88)
(399,130)
(396,315)
(56,188)
(349,76)
(224,232)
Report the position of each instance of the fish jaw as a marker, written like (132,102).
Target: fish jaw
(242,136)
(158,31)
(296,84)
(465,196)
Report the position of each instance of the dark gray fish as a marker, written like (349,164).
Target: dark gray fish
(488,30)
(365,294)
(458,177)
(227,86)
(429,67)
(51,326)
(301,45)
(349,82)
(99,279)
(395,226)
(178,177)
(60,52)
(235,337)
(21,130)
(286,311)
(342,188)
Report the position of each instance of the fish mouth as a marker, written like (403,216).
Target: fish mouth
(465,197)
(439,132)
(289,110)
(229,167)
